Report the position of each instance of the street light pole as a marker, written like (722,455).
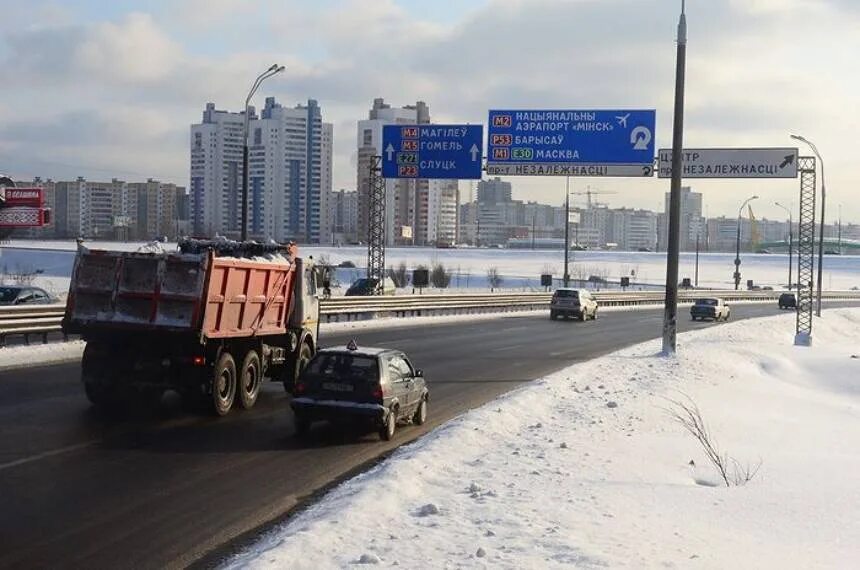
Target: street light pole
(670,307)
(738,244)
(274,69)
(790,241)
(566,277)
(821,226)
(696,281)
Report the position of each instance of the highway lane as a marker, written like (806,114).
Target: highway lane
(163,488)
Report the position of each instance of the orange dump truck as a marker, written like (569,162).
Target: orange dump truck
(211,320)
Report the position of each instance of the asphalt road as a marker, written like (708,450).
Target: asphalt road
(167,488)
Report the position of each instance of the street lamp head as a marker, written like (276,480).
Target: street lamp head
(280,69)
(273,67)
(754,198)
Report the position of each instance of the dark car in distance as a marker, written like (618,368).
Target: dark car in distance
(787,301)
(15,295)
(370,286)
(375,388)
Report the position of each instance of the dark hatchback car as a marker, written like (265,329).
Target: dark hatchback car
(787,301)
(10,295)
(369,286)
(375,388)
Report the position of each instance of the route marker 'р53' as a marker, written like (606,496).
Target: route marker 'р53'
(731,163)
(447,152)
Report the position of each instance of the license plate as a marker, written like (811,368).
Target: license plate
(332,387)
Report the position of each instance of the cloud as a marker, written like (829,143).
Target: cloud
(133,50)
(121,92)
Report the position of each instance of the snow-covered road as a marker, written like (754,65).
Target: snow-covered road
(586,468)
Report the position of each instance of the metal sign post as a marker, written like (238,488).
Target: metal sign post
(376,224)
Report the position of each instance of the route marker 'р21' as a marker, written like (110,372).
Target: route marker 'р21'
(571,143)
(731,163)
(447,152)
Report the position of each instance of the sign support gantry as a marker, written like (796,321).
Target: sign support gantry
(376,223)
(805,251)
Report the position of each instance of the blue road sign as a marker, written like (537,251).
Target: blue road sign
(549,139)
(448,152)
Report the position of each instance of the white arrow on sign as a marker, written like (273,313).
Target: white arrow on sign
(474,150)
(390,151)
(640,138)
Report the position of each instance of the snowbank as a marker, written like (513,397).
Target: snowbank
(585,468)
(40,355)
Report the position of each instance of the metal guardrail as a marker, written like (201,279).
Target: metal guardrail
(30,320)
(45,319)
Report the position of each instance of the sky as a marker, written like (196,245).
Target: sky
(110,89)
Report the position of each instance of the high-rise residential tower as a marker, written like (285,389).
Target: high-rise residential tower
(289,173)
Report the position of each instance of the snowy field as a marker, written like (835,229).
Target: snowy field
(586,468)
(521,269)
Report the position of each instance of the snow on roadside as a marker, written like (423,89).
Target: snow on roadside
(585,468)
(12,357)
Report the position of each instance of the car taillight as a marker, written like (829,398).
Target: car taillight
(198,361)
(300,388)
(377,392)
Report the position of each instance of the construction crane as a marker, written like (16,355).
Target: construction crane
(755,237)
(589,192)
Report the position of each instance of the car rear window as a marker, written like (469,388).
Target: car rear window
(566,293)
(709,302)
(342,367)
(8,294)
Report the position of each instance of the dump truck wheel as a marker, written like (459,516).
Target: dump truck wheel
(250,379)
(98,394)
(291,374)
(94,368)
(224,384)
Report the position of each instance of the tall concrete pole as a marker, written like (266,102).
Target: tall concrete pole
(670,312)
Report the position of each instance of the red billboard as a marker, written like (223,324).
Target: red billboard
(24,197)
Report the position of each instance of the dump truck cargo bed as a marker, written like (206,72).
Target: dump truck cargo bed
(213,297)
